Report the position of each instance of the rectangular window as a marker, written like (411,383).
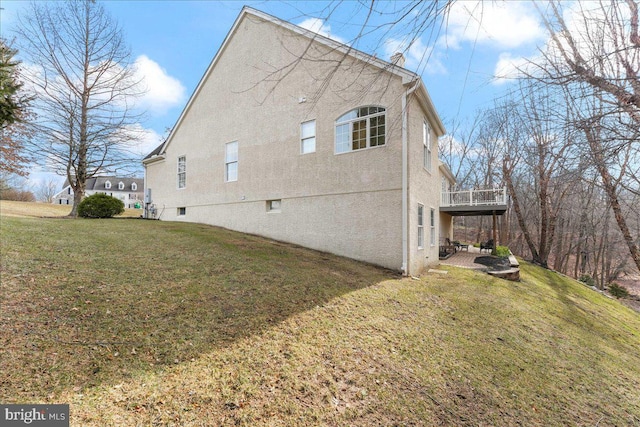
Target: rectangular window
(308,137)
(433,227)
(231,161)
(342,138)
(426,141)
(274,205)
(420,226)
(182,172)
(182,211)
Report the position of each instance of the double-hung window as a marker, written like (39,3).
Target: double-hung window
(426,141)
(361,128)
(420,226)
(231,162)
(433,227)
(308,137)
(182,171)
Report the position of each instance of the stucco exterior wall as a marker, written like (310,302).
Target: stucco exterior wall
(424,189)
(348,204)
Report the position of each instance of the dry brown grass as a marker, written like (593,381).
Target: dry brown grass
(11,208)
(157,323)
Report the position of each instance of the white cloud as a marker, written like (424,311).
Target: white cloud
(142,140)
(418,57)
(506,24)
(509,68)
(39,177)
(162,91)
(149,140)
(318,26)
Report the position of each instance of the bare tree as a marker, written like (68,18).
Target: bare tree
(535,152)
(594,56)
(599,47)
(46,190)
(84,84)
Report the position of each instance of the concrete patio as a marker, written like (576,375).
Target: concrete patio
(465,258)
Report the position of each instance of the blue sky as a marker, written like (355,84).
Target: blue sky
(173,42)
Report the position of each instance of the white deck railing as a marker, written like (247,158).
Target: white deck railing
(494,196)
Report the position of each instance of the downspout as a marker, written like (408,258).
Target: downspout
(145,212)
(405,181)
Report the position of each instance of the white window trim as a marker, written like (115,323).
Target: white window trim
(134,186)
(420,227)
(183,172)
(432,226)
(107,185)
(227,162)
(368,130)
(426,141)
(308,138)
(121,185)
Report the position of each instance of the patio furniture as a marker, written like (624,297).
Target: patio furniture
(488,245)
(460,246)
(447,249)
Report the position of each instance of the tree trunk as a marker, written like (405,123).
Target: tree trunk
(610,185)
(519,215)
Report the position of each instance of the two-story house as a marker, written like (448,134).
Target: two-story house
(297,137)
(129,190)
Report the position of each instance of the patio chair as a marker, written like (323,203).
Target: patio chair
(447,249)
(488,245)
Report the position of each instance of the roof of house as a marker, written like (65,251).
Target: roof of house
(408,77)
(97,183)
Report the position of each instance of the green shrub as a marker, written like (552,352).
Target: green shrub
(100,206)
(618,291)
(587,280)
(502,251)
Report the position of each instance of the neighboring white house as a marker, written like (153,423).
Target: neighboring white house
(297,137)
(129,190)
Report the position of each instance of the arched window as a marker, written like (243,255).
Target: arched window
(361,128)
(121,185)
(134,186)
(107,185)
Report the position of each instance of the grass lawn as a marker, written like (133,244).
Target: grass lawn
(138,322)
(48,210)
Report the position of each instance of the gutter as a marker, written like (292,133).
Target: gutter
(153,159)
(405,180)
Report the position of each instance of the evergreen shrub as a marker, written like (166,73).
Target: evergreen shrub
(100,206)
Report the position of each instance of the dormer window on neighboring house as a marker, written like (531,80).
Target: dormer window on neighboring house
(361,128)
(121,185)
(107,185)
(134,186)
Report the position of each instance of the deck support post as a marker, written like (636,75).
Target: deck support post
(495,234)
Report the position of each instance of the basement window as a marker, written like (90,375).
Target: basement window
(274,205)
(182,211)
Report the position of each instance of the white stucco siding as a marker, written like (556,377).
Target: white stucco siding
(348,204)
(446,226)
(360,225)
(424,189)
